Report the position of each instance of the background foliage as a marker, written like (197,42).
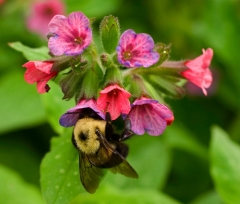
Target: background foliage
(197,159)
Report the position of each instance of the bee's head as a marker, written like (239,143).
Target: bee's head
(84,134)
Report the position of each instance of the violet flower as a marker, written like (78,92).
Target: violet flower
(136,50)
(147,115)
(69,35)
(70,118)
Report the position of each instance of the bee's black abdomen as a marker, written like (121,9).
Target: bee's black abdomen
(122,149)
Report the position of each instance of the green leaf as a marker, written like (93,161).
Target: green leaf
(109,194)
(208,198)
(31,53)
(54,106)
(14,190)
(20,104)
(60,180)
(110,33)
(156,158)
(225,166)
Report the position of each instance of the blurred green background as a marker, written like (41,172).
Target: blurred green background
(179,164)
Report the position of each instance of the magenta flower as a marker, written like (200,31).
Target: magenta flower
(136,50)
(41,13)
(147,115)
(69,35)
(39,72)
(114,99)
(70,118)
(198,71)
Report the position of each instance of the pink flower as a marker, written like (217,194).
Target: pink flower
(41,13)
(136,50)
(114,99)
(39,72)
(72,115)
(198,71)
(69,35)
(147,115)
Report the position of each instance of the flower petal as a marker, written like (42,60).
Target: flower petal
(70,118)
(69,36)
(135,50)
(39,72)
(149,116)
(198,71)
(114,99)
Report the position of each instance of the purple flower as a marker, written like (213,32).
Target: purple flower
(72,115)
(147,115)
(69,35)
(136,50)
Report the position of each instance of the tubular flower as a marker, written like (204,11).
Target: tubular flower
(42,12)
(114,99)
(69,35)
(147,115)
(136,50)
(70,118)
(198,71)
(39,72)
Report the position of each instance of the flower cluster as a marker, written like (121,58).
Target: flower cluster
(123,80)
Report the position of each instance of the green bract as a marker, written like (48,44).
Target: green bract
(110,33)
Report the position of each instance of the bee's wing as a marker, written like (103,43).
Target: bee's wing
(89,174)
(125,169)
(108,157)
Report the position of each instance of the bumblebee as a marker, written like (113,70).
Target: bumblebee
(100,148)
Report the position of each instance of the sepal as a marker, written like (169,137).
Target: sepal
(168,86)
(89,86)
(112,76)
(60,63)
(110,33)
(70,84)
(135,85)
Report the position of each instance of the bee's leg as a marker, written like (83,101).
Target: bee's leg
(109,128)
(127,131)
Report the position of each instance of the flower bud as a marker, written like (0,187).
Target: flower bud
(164,52)
(110,32)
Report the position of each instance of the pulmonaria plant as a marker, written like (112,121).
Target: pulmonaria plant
(148,115)
(69,35)
(125,79)
(136,50)
(70,118)
(119,90)
(198,71)
(115,100)
(39,72)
